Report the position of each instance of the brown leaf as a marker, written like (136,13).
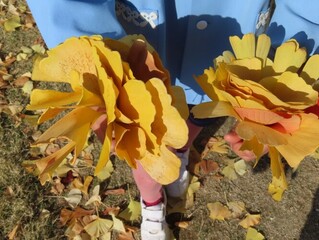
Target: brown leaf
(111,210)
(57,187)
(118,191)
(19,82)
(182,225)
(13,233)
(128,235)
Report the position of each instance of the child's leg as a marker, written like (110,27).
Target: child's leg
(150,190)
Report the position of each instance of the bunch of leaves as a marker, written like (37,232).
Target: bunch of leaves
(236,210)
(274,101)
(14,15)
(121,89)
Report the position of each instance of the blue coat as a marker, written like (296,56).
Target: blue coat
(188,34)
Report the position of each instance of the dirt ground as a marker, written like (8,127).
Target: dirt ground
(295,217)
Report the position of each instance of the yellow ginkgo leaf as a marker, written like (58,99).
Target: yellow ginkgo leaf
(250,220)
(12,23)
(193,187)
(253,234)
(118,225)
(310,72)
(164,167)
(218,211)
(98,227)
(229,171)
(168,125)
(245,47)
(279,182)
(132,212)
(289,57)
(106,172)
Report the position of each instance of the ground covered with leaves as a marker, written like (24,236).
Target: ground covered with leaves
(227,198)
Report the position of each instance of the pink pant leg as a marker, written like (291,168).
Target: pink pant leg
(151,191)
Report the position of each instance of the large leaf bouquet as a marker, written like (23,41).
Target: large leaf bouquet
(274,101)
(123,79)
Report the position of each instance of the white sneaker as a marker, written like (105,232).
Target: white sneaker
(179,187)
(154,226)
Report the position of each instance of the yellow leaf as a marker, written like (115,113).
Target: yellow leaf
(179,101)
(218,211)
(245,47)
(12,23)
(279,182)
(289,57)
(135,101)
(214,109)
(106,172)
(253,234)
(118,225)
(229,170)
(105,152)
(237,208)
(301,142)
(310,72)
(132,212)
(95,197)
(27,87)
(250,220)
(192,189)
(98,227)
(240,167)
(265,135)
(168,126)
(164,167)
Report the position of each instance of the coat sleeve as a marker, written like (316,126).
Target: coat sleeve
(296,19)
(58,20)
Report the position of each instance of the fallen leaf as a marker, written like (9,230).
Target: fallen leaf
(74,197)
(118,191)
(57,187)
(12,23)
(240,167)
(229,170)
(126,236)
(217,145)
(99,227)
(132,212)
(13,233)
(253,234)
(95,197)
(237,208)
(192,189)
(27,87)
(250,220)
(118,225)
(183,224)
(111,210)
(218,211)
(106,171)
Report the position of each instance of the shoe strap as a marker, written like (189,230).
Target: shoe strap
(155,215)
(152,227)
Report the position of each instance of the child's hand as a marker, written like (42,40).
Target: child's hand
(235,142)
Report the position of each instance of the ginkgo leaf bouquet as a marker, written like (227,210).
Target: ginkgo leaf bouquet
(123,81)
(273,99)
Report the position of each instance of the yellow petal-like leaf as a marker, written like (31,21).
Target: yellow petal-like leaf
(214,109)
(289,57)
(218,211)
(250,220)
(245,47)
(279,183)
(98,227)
(164,167)
(301,142)
(168,125)
(310,72)
(105,152)
(265,135)
(263,47)
(179,101)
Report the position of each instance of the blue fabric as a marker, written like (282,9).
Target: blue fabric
(175,28)
(296,19)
